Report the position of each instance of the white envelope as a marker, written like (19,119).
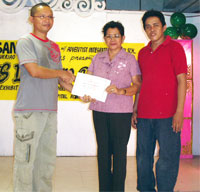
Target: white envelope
(91,85)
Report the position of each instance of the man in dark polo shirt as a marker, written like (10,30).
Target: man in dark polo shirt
(158,109)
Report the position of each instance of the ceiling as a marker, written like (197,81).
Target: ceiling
(185,6)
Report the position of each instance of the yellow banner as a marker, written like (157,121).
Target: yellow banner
(75,57)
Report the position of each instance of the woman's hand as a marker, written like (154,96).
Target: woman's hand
(113,89)
(87,99)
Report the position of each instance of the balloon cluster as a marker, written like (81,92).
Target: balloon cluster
(180,27)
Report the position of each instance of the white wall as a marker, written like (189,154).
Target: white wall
(196,94)
(75,129)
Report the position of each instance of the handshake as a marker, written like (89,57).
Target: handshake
(66,76)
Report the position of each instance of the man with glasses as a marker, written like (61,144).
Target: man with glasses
(35,111)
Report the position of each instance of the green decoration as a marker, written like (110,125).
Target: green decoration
(188,31)
(177,19)
(172,32)
(178,29)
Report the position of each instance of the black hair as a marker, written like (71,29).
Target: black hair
(153,13)
(34,8)
(113,24)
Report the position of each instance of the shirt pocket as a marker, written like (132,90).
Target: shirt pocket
(24,138)
(23,147)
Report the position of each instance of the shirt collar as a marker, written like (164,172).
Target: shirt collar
(39,38)
(121,54)
(167,40)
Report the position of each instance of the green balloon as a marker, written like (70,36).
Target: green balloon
(172,32)
(178,29)
(188,31)
(177,19)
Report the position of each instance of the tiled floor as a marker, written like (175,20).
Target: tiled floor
(79,174)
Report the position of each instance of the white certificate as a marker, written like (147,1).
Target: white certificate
(91,85)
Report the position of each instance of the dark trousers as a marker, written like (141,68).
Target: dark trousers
(112,134)
(148,131)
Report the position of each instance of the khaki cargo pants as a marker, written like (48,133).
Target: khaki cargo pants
(35,151)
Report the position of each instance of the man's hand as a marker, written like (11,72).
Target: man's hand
(67,76)
(177,122)
(134,120)
(37,71)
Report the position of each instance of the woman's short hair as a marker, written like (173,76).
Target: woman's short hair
(113,24)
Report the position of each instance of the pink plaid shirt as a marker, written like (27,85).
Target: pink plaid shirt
(120,71)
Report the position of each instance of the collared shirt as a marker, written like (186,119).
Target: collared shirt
(159,68)
(120,71)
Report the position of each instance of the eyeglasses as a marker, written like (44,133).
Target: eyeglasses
(115,36)
(44,17)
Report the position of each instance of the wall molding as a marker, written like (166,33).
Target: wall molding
(83,8)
